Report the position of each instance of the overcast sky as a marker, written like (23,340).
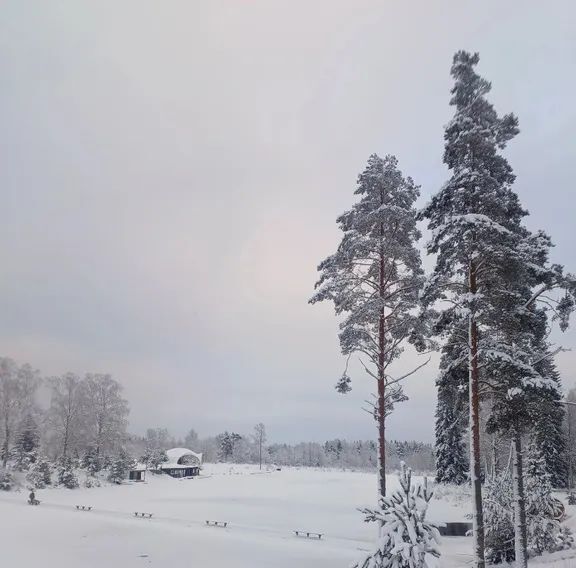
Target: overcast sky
(171,172)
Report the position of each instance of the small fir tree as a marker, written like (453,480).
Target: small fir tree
(6,479)
(406,539)
(91,461)
(120,467)
(27,442)
(66,475)
(40,475)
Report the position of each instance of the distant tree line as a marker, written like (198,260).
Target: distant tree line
(51,429)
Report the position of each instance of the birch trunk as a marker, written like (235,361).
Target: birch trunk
(520,537)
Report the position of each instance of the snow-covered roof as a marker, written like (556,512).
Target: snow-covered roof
(176,455)
(139,467)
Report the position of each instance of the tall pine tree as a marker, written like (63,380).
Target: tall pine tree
(374,279)
(473,219)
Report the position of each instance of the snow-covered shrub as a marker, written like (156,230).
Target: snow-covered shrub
(406,538)
(66,474)
(6,480)
(90,482)
(39,475)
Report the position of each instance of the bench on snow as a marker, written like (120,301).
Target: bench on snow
(144,515)
(309,534)
(83,507)
(455,529)
(222,524)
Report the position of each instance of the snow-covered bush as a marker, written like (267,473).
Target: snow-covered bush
(406,538)
(6,480)
(66,475)
(39,475)
(90,482)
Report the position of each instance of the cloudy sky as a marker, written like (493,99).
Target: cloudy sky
(171,171)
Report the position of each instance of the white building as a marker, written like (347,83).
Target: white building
(182,463)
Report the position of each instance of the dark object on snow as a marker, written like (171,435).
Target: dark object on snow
(455,529)
(144,515)
(571,499)
(32,499)
(309,534)
(222,524)
(83,507)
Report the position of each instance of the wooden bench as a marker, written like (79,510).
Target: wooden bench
(309,534)
(222,524)
(83,507)
(144,515)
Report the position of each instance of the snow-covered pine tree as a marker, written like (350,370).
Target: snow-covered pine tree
(26,444)
(519,369)
(406,537)
(120,467)
(66,475)
(18,384)
(91,461)
(547,433)
(374,279)
(475,223)
(6,479)
(516,374)
(452,464)
(40,474)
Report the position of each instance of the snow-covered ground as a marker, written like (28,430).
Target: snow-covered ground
(262,510)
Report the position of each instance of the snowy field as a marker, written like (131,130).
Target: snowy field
(262,510)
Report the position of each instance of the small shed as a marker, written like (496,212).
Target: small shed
(137,473)
(182,463)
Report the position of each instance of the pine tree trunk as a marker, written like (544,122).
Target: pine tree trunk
(381,378)
(475,465)
(520,537)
